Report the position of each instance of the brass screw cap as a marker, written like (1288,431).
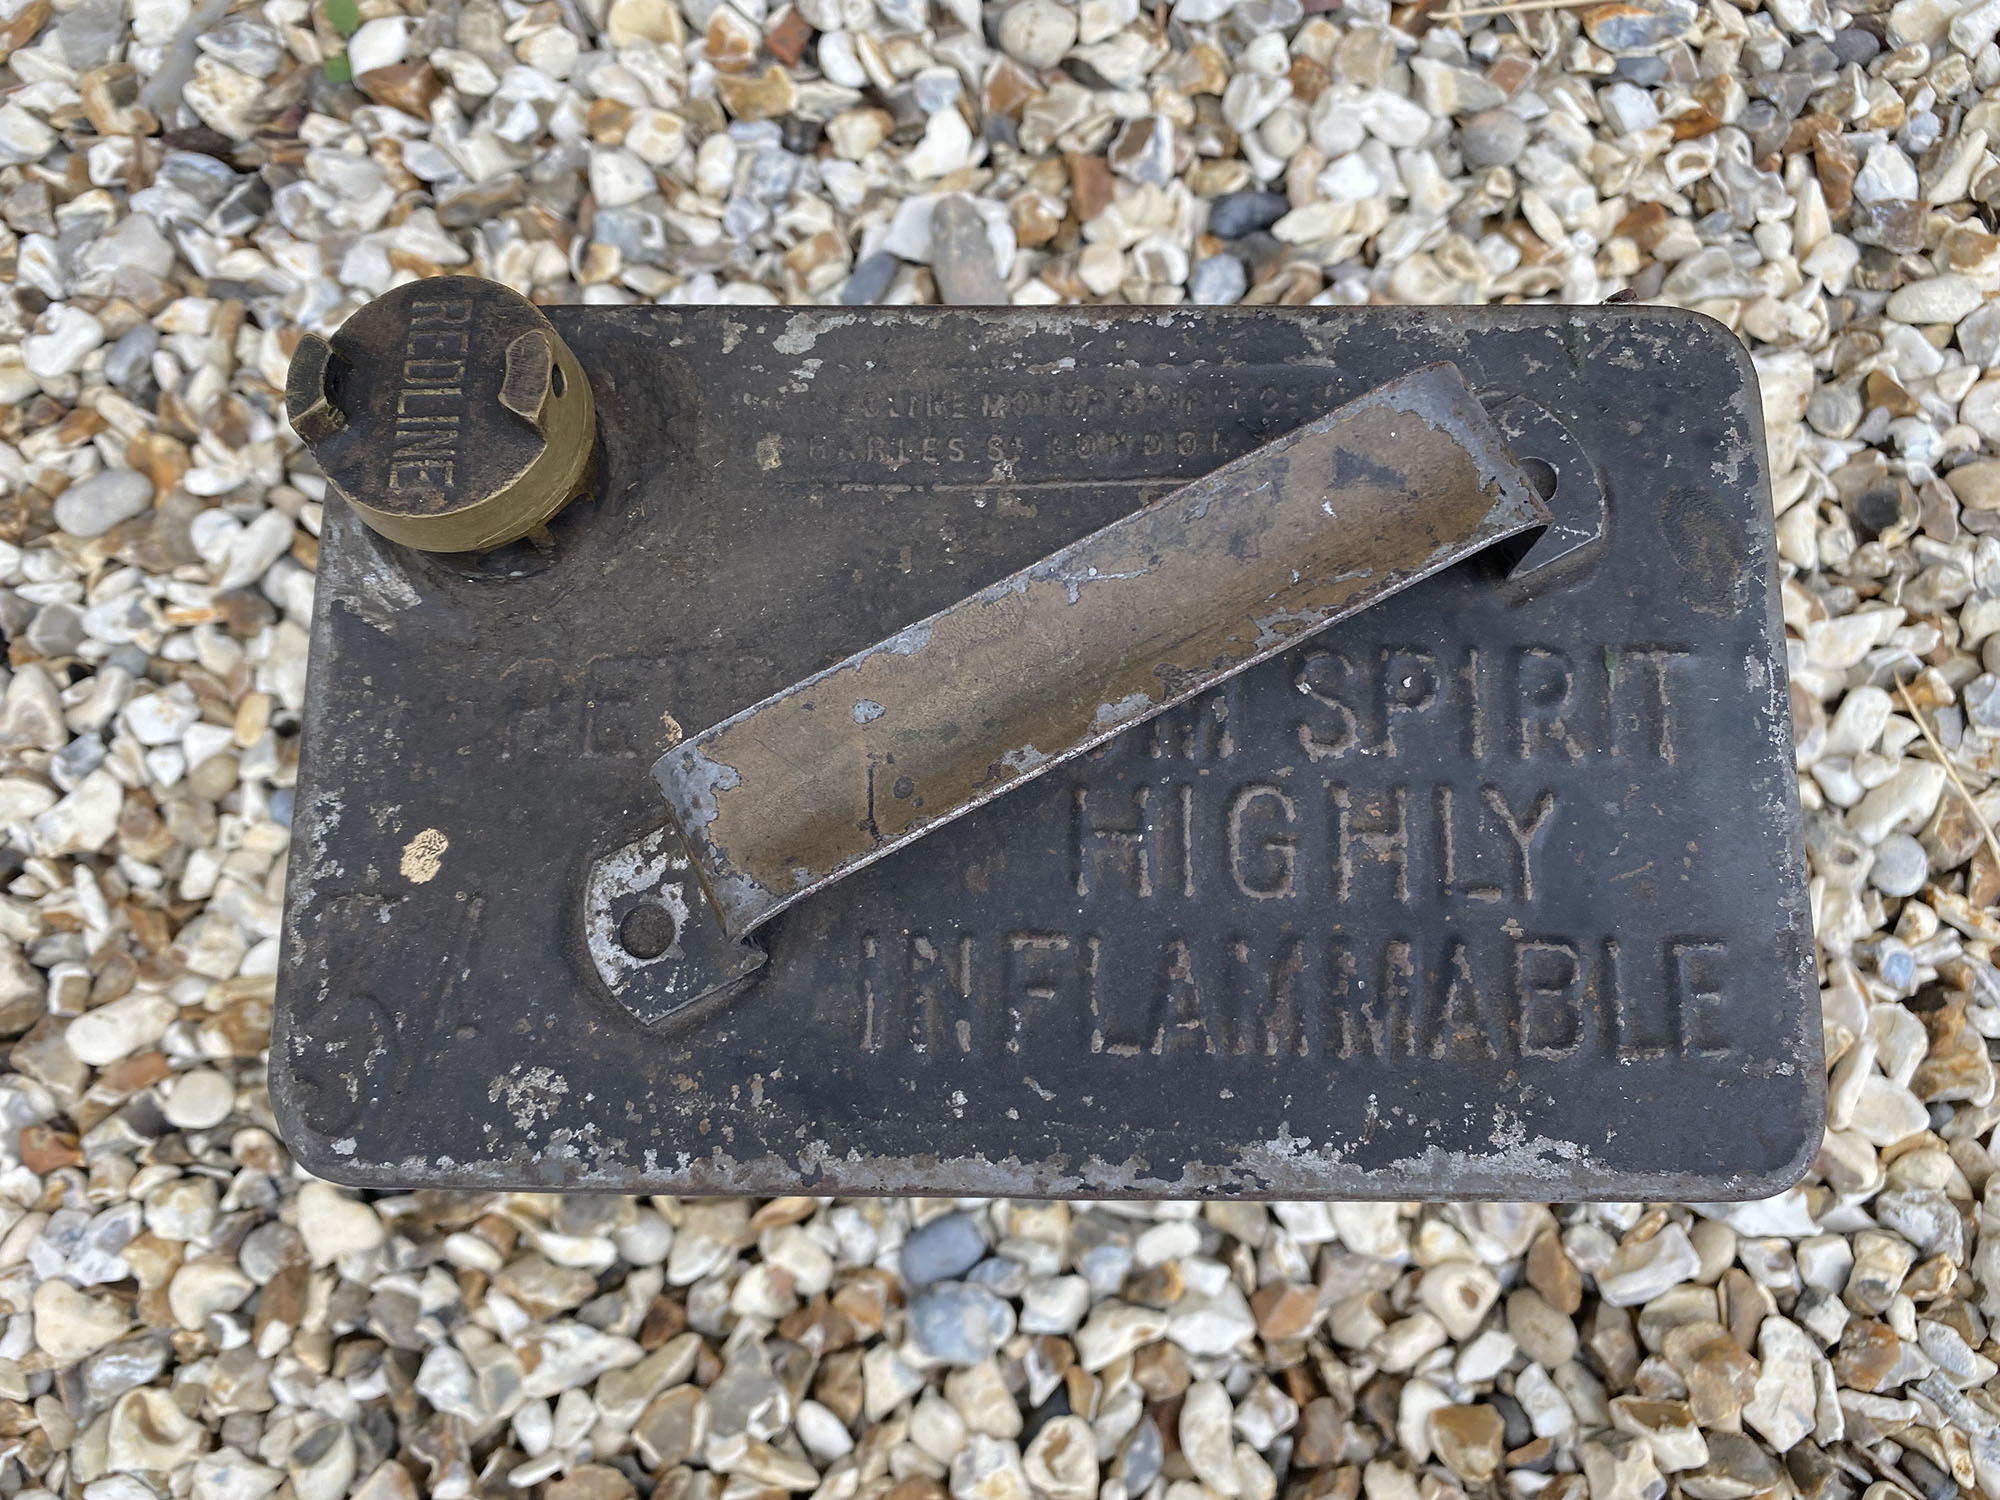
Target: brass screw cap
(447,413)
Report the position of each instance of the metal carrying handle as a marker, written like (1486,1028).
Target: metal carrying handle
(859,760)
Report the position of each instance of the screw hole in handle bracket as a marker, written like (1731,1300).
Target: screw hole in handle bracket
(1555,463)
(650,935)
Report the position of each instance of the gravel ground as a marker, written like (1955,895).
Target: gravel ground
(186,184)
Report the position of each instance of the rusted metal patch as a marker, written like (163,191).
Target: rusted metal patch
(856,761)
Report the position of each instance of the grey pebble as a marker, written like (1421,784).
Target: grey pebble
(1142,1457)
(1900,867)
(121,1367)
(962,256)
(869,281)
(1493,138)
(129,363)
(76,760)
(1980,699)
(1218,281)
(1854,45)
(1000,1275)
(960,1324)
(1895,964)
(1234,215)
(266,1249)
(943,1250)
(56,630)
(89,34)
(92,506)
(1646,71)
(1836,409)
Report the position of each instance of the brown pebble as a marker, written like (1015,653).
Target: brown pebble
(1309,79)
(1035,217)
(1161,1286)
(1081,1388)
(24,26)
(1720,1374)
(1868,1351)
(665,1319)
(1813,1474)
(837,1386)
(1008,88)
(1285,1310)
(1160,1370)
(1806,130)
(818,1327)
(768,95)
(1470,1439)
(787,40)
(1612,1345)
(1343,1483)
(1882,390)
(1745,1306)
(44,1149)
(590,1482)
(1531,1455)
(1318,1439)
(608,120)
(864,1301)
(408,86)
(780,1212)
(1930,1279)
(1092,187)
(1836,165)
(1510,74)
(1553,1274)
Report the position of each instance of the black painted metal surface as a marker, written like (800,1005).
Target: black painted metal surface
(1493,890)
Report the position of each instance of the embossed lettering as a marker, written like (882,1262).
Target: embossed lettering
(1394,1033)
(1694,972)
(1538,702)
(1632,1040)
(1522,832)
(1319,676)
(1196,731)
(1285,1026)
(873,995)
(1653,663)
(1460,1026)
(1447,802)
(1544,686)
(1180,1024)
(1353,1028)
(1125,847)
(1471,998)
(1407,684)
(431,399)
(1381,831)
(1548,996)
(1039,970)
(1263,866)
(433,312)
(940,995)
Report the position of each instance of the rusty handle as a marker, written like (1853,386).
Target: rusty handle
(860,759)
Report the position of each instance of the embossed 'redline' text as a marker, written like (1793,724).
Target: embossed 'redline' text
(430,403)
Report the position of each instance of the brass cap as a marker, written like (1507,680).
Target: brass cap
(447,412)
